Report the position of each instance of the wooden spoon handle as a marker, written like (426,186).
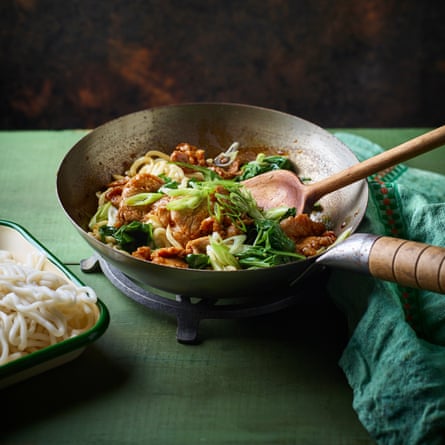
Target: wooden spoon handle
(408,263)
(407,150)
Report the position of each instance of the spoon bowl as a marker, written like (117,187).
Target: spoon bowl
(283,187)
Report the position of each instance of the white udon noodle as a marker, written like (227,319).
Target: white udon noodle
(157,163)
(39,308)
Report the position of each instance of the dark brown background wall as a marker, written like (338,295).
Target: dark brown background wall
(79,63)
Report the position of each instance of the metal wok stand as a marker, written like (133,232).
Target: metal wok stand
(188,311)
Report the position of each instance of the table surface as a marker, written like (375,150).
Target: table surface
(271,379)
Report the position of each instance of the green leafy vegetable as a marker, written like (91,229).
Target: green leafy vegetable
(257,257)
(271,236)
(105,231)
(169,183)
(270,247)
(198,260)
(263,164)
(130,236)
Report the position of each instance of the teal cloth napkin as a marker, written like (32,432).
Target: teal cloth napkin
(395,358)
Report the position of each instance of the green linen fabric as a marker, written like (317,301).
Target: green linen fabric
(395,358)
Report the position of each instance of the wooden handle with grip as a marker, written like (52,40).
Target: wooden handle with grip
(407,150)
(408,263)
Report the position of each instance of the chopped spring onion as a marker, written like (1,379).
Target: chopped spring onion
(100,215)
(219,254)
(143,199)
(185,198)
(279,213)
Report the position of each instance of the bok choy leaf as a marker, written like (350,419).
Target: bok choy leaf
(263,164)
(197,260)
(130,236)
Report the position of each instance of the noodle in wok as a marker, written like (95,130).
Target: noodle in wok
(39,308)
(187,210)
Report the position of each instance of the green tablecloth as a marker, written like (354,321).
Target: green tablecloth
(272,379)
(395,359)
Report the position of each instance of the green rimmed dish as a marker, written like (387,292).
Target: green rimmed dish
(20,243)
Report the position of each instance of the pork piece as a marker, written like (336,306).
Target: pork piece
(169,256)
(188,224)
(209,225)
(185,224)
(198,245)
(188,154)
(160,210)
(311,245)
(114,191)
(225,228)
(143,253)
(309,236)
(140,183)
(300,226)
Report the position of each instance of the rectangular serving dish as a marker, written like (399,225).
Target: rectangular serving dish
(21,243)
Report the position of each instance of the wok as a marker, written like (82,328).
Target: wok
(112,147)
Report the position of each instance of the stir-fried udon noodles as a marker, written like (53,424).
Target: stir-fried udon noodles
(39,308)
(188,210)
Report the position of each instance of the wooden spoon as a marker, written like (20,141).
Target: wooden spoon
(283,187)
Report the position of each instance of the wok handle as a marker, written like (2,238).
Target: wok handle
(408,263)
